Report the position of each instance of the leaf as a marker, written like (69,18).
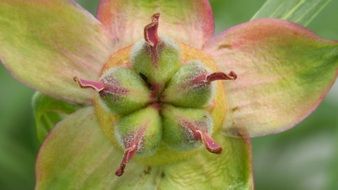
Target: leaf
(299,11)
(49,111)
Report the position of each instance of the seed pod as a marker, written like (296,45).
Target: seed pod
(188,87)
(185,129)
(192,85)
(138,133)
(124,91)
(160,69)
(155,58)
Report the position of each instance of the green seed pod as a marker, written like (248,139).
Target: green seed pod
(124,91)
(188,87)
(157,63)
(185,129)
(138,133)
(143,99)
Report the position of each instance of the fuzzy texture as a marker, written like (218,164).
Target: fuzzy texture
(146,121)
(188,87)
(178,136)
(159,70)
(125,91)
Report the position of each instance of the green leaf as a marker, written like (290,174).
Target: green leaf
(49,111)
(77,155)
(299,11)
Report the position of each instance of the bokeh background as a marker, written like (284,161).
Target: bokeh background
(305,157)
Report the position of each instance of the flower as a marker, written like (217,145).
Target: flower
(283,71)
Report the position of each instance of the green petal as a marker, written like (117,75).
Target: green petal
(189,22)
(49,111)
(76,155)
(284,71)
(46,43)
(229,170)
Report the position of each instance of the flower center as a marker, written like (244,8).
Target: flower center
(158,101)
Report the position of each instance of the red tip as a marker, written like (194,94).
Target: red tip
(221,76)
(151,36)
(95,85)
(209,143)
(128,154)
(150,31)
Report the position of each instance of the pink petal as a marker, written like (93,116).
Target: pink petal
(284,71)
(189,22)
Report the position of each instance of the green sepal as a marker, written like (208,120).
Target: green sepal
(49,111)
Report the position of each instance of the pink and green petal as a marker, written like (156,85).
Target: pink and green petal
(189,22)
(284,71)
(77,155)
(46,43)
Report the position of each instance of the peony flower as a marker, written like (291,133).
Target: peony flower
(161,102)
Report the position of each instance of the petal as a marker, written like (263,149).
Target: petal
(46,43)
(231,169)
(77,155)
(284,71)
(190,22)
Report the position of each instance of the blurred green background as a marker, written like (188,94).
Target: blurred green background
(305,157)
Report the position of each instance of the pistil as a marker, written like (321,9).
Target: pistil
(209,143)
(221,76)
(132,146)
(151,36)
(95,85)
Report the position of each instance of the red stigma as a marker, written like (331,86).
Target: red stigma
(221,76)
(95,85)
(150,31)
(209,143)
(100,86)
(151,36)
(132,146)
